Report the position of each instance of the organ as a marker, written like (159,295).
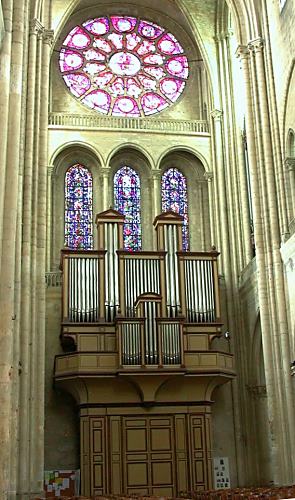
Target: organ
(137,329)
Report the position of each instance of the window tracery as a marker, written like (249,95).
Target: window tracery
(174,197)
(78,208)
(123,66)
(127,201)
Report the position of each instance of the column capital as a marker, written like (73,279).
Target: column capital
(216,114)
(256,45)
(242,52)
(36,27)
(48,36)
(156,175)
(105,171)
(290,164)
(208,176)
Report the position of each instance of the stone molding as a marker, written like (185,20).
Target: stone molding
(77,121)
(208,176)
(290,164)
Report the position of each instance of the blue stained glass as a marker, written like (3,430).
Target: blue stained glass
(127,202)
(174,197)
(78,208)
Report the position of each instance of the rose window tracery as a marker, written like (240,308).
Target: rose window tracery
(123,66)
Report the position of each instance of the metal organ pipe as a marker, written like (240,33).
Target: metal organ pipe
(170,242)
(83,291)
(141,276)
(199,288)
(111,271)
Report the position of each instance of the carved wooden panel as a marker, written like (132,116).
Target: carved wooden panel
(199,433)
(149,451)
(158,455)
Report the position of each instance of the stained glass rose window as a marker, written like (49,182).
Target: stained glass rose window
(123,66)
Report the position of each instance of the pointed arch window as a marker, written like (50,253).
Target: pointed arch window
(127,202)
(78,208)
(174,197)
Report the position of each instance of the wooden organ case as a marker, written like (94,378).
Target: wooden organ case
(136,331)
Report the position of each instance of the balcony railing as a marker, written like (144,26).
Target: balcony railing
(68,120)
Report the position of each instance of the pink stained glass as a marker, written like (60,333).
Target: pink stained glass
(94,55)
(103,79)
(133,88)
(178,66)
(132,40)
(98,99)
(153,59)
(151,101)
(102,45)
(146,47)
(117,40)
(155,71)
(169,45)
(93,69)
(70,60)
(123,66)
(123,24)
(77,38)
(147,83)
(117,87)
(149,30)
(125,106)
(78,83)
(98,26)
(172,88)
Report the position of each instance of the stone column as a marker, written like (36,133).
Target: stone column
(227,260)
(10,190)
(156,176)
(50,176)
(5,61)
(290,165)
(37,468)
(276,271)
(105,174)
(28,316)
(209,178)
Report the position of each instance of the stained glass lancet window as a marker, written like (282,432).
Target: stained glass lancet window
(123,66)
(127,202)
(174,197)
(78,208)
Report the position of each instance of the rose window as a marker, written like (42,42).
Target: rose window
(123,66)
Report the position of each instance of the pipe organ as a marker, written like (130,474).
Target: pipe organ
(145,287)
(137,330)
